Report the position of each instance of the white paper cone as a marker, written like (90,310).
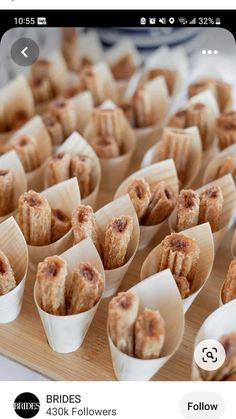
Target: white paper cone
(212,168)
(66,334)
(218,324)
(227,186)
(90,47)
(14,247)
(36,128)
(159,172)
(83,105)
(203,235)
(118,166)
(122,48)
(121,206)
(233,246)
(76,144)
(194,161)
(11,161)
(64,196)
(159,292)
(146,137)
(172,59)
(219,68)
(16,99)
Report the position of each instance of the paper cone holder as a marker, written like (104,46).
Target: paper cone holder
(66,334)
(14,247)
(121,206)
(157,172)
(158,292)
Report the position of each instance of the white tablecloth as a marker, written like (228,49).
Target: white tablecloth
(12,371)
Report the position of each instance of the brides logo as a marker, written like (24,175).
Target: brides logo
(26,405)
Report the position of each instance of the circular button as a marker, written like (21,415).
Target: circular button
(209,354)
(24,52)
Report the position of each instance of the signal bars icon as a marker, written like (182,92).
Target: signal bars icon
(193,21)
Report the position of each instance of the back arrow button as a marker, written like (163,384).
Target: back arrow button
(23,52)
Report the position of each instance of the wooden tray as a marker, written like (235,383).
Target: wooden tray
(24,340)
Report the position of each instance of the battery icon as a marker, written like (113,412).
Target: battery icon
(41,21)
(218,21)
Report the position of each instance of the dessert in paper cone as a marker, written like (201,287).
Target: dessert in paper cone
(203,111)
(159,172)
(228,289)
(52,233)
(90,48)
(202,237)
(187,153)
(158,292)
(123,59)
(66,328)
(222,164)
(221,90)
(220,325)
(33,146)
(83,105)
(81,157)
(70,47)
(226,129)
(200,111)
(117,209)
(47,80)
(14,262)
(146,111)
(13,183)
(222,218)
(60,120)
(223,210)
(17,106)
(171,63)
(99,80)
(113,140)
(233,246)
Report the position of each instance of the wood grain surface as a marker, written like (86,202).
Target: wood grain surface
(24,340)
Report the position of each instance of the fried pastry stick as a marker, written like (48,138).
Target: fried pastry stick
(149,334)
(226,129)
(188,203)
(211,206)
(64,111)
(61,224)
(85,288)
(117,238)
(122,314)
(229,286)
(161,204)
(81,168)
(34,214)
(7,189)
(27,150)
(7,277)
(180,254)
(51,280)
(84,225)
(140,195)
(227,166)
(57,169)
(105,147)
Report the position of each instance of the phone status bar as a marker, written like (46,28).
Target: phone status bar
(179,21)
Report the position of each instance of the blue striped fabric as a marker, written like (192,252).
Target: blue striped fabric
(149,39)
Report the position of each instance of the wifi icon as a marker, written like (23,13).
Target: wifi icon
(182,20)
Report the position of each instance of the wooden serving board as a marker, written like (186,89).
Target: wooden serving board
(24,340)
